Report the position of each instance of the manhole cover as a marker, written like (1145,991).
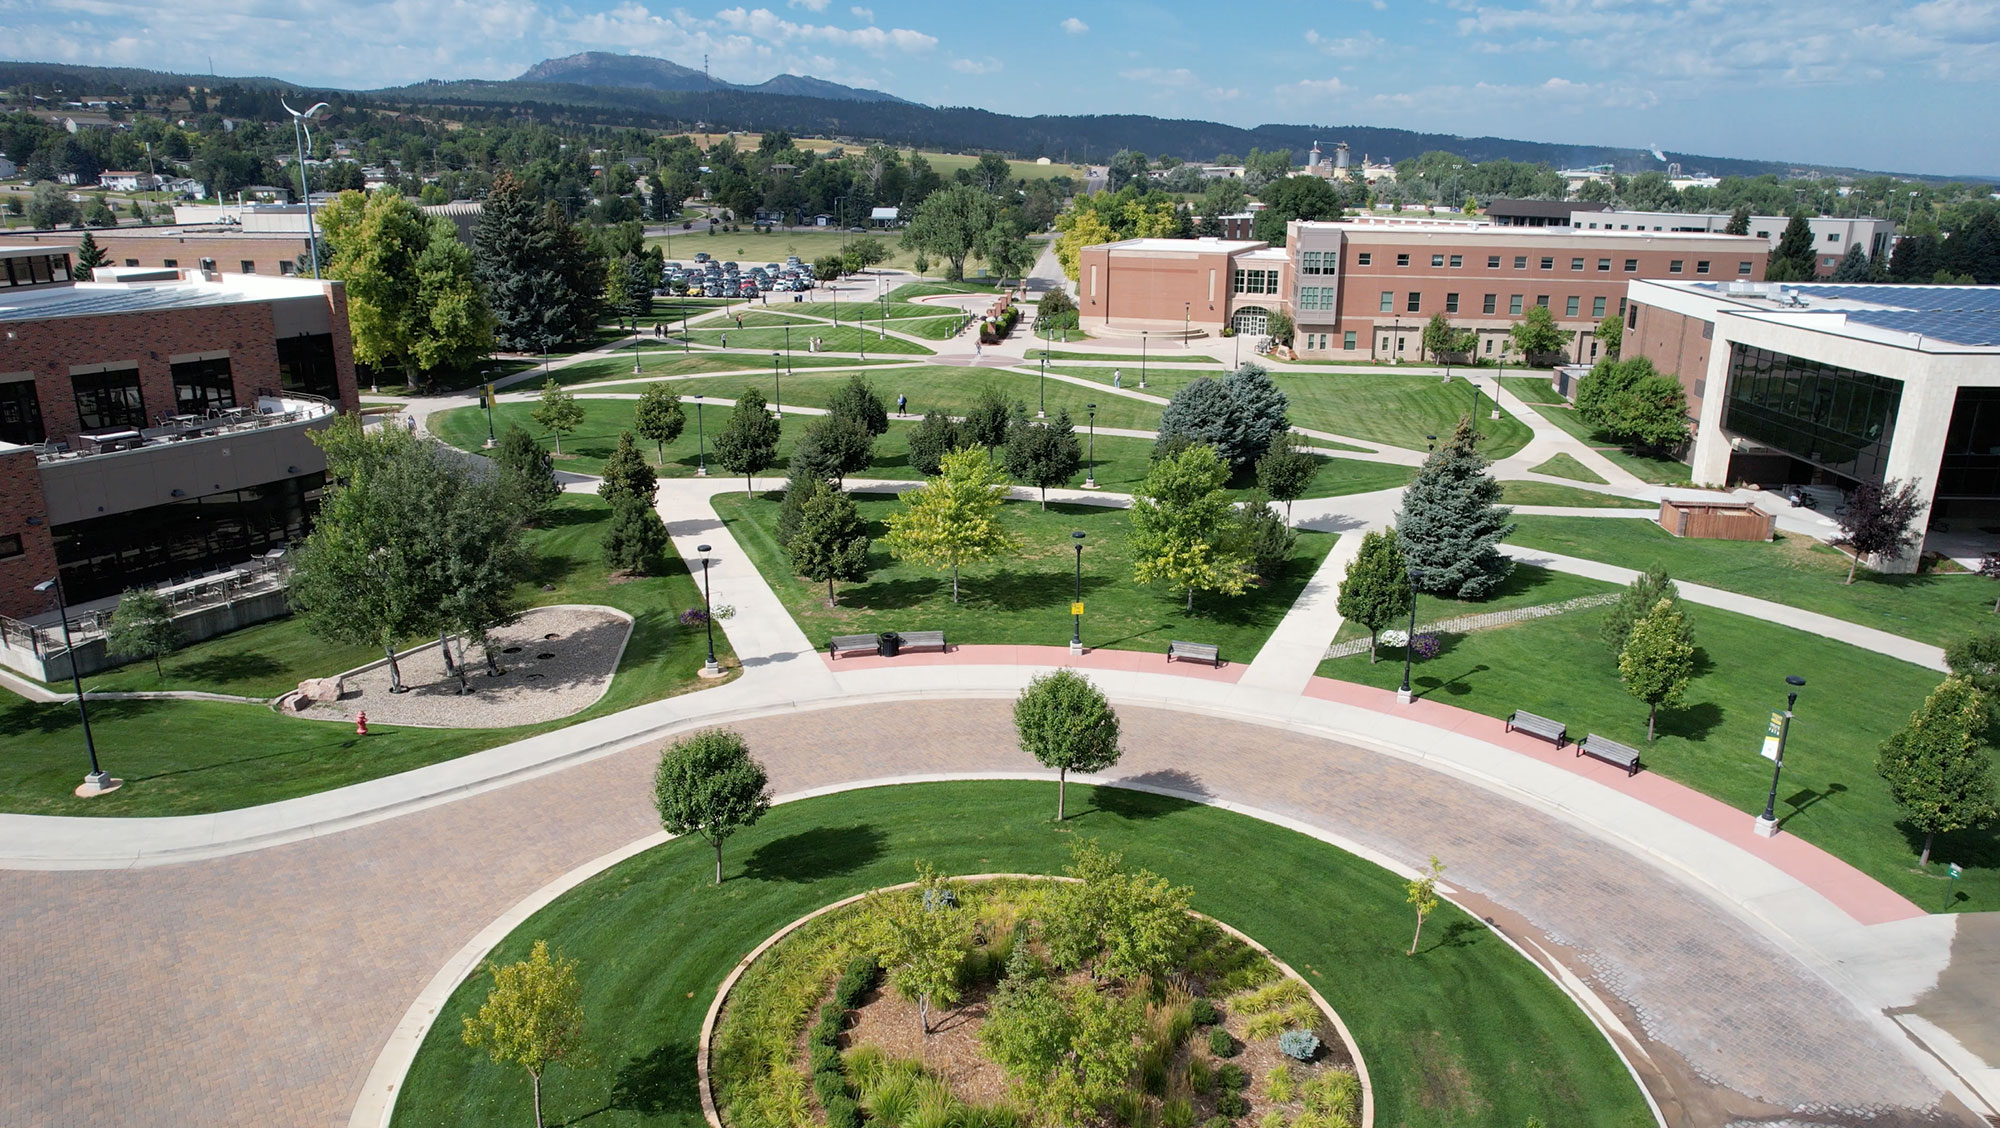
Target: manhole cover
(511,650)
(545,655)
(550,635)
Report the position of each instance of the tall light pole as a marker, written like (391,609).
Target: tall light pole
(709,669)
(488,397)
(1042,412)
(777,389)
(1410,640)
(788,348)
(1187,326)
(1090,462)
(701,440)
(300,134)
(1774,748)
(98,781)
(1144,334)
(1076,608)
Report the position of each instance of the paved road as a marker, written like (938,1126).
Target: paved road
(258,988)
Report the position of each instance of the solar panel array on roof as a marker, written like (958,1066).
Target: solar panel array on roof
(1932,298)
(86,303)
(1975,327)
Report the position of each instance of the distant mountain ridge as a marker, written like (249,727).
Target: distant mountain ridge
(645,72)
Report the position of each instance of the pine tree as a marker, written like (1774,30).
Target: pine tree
(833,446)
(1451,519)
(89,256)
(1259,408)
(1936,769)
(1739,222)
(1376,590)
(660,417)
(1794,253)
(1854,266)
(800,488)
(1202,413)
(636,539)
(748,443)
(1658,660)
(857,400)
(1638,598)
(626,475)
(831,541)
(527,474)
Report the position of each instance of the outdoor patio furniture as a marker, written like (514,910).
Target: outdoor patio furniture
(1196,651)
(1610,751)
(1556,732)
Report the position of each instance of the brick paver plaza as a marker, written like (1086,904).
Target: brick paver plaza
(259,988)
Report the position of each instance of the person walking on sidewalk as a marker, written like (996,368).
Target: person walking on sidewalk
(902,405)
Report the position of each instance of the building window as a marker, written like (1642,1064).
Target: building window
(1402,260)
(1437,260)
(1674,267)
(1632,316)
(1489,304)
(248,266)
(1416,302)
(1388,301)
(1763,234)
(1256,281)
(306,364)
(170,263)
(1604,265)
(1514,304)
(1548,262)
(1457,261)
(286,266)
(1316,262)
(20,413)
(201,386)
(1621,307)
(1570,307)
(102,556)
(1593,350)
(1542,300)
(1364,258)
(1316,299)
(131,262)
(1836,418)
(1576,264)
(1832,238)
(10,545)
(1385,345)
(1631,266)
(1520,262)
(1492,262)
(1347,341)
(1489,344)
(34,270)
(1597,308)
(109,399)
(1743,268)
(1451,303)
(1701,266)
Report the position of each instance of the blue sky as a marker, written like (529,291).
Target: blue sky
(1893,84)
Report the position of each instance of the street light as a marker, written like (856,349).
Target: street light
(1410,640)
(1042,412)
(1143,335)
(98,781)
(300,134)
(1432,440)
(701,439)
(1090,462)
(788,348)
(708,669)
(687,340)
(1076,609)
(488,397)
(777,389)
(1774,747)
(1187,326)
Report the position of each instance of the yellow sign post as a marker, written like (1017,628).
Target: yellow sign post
(1076,608)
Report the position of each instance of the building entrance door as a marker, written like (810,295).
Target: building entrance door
(1251,321)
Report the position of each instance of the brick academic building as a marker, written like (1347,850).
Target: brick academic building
(157,424)
(1364,291)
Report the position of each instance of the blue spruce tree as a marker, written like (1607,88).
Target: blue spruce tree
(1451,519)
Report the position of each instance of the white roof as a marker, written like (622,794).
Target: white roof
(1204,245)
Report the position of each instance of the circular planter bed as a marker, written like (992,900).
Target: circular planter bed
(1046,1017)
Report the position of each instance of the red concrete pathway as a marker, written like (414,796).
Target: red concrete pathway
(1855,893)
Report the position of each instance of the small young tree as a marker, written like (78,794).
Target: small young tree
(533,1017)
(953,519)
(1287,471)
(1438,337)
(1181,527)
(748,443)
(919,936)
(626,475)
(1043,454)
(1611,335)
(1452,518)
(930,440)
(1638,598)
(856,400)
(708,785)
(527,474)
(636,539)
(1066,723)
(1536,333)
(1376,591)
(143,627)
(89,256)
(1279,327)
(1878,520)
(1658,660)
(660,417)
(1977,659)
(800,488)
(986,424)
(1422,894)
(558,411)
(831,541)
(832,447)
(1264,539)
(1936,769)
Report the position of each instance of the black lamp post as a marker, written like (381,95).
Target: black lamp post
(488,397)
(1090,460)
(1042,412)
(1767,823)
(1187,326)
(710,669)
(98,781)
(1076,609)
(687,342)
(1410,640)
(701,440)
(1143,335)
(882,327)
(788,348)
(1432,440)
(777,388)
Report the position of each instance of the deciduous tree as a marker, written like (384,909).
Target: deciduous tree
(831,541)
(533,1017)
(919,936)
(833,446)
(1536,333)
(1376,590)
(748,443)
(954,518)
(856,400)
(1287,471)
(557,411)
(1066,723)
(1181,527)
(1422,895)
(1611,335)
(951,224)
(931,439)
(709,786)
(659,416)
(1880,520)
(142,626)
(1639,598)
(1658,660)
(1936,769)
(1043,454)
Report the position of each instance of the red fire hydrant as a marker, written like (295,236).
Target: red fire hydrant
(361,725)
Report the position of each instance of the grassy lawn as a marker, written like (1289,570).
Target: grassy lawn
(909,290)
(1134,358)
(1656,469)
(846,339)
(929,328)
(868,307)
(1533,390)
(1798,571)
(956,390)
(674,362)
(191,757)
(1023,599)
(1830,794)
(1525,586)
(1548,493)
(1468,1025)
(1565,466)
(262,660)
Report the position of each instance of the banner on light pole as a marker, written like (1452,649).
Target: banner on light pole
(1774,737)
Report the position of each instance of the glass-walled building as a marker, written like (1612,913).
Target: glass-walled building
(1836,418)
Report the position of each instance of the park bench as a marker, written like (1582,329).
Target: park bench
(1610,751)
(850,644)
(871,643)
(1198,651)
(924,640)
(1556,732)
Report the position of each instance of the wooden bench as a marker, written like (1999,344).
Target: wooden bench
(1556,732)
(1199,651)
(924,640)
(1610,751)
(851,644)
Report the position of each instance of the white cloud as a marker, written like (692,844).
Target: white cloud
(1365,45)
(809,5)
(1075,26)
(865,15)
(762,23)
(988,65)
(1310,91)
(1179,77)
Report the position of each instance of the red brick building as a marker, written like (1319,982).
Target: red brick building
(157,424)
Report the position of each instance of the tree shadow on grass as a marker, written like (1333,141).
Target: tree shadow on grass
(1129,804)
(231,668)
(896,595)
(1458,934)
(303,755)
(659,1083)
(810,855)
(25,717)
(1691,722)
(1010,590)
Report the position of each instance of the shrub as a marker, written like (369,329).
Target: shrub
(1335,1096)
(1201,1077)
(1424,646)
(1272,1119)
(1216,1122)
(1129,1109)
(1177,1113)
(1153,1071)
(1278,1084)
(1231,1105)
(1233,1077)
(1205,1013)
(694,617)
(892,1100)
(824,1058)
(867,1065)
(841,1112)
(829,1085)
(937,1109)
(1221,1044)
(1300,1044)
(855,982)
(827,1033)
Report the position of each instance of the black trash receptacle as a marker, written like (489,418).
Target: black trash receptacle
(888,644)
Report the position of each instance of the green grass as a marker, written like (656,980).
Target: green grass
(1467,1033)
(1793,570)
(1525,586)
(1548,493)
(1025,598)
(261,660)
(1134,358)
(1565,466)
(1657,469)
(929,328)
(1830,794)
(1533,390)
(909,290)
(869,309)
(673,362)
(846,339)
(956,390)
(190,757)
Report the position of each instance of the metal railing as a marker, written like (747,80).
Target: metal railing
(311,407)
(184,598)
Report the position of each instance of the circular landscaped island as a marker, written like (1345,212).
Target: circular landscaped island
(995,1001)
